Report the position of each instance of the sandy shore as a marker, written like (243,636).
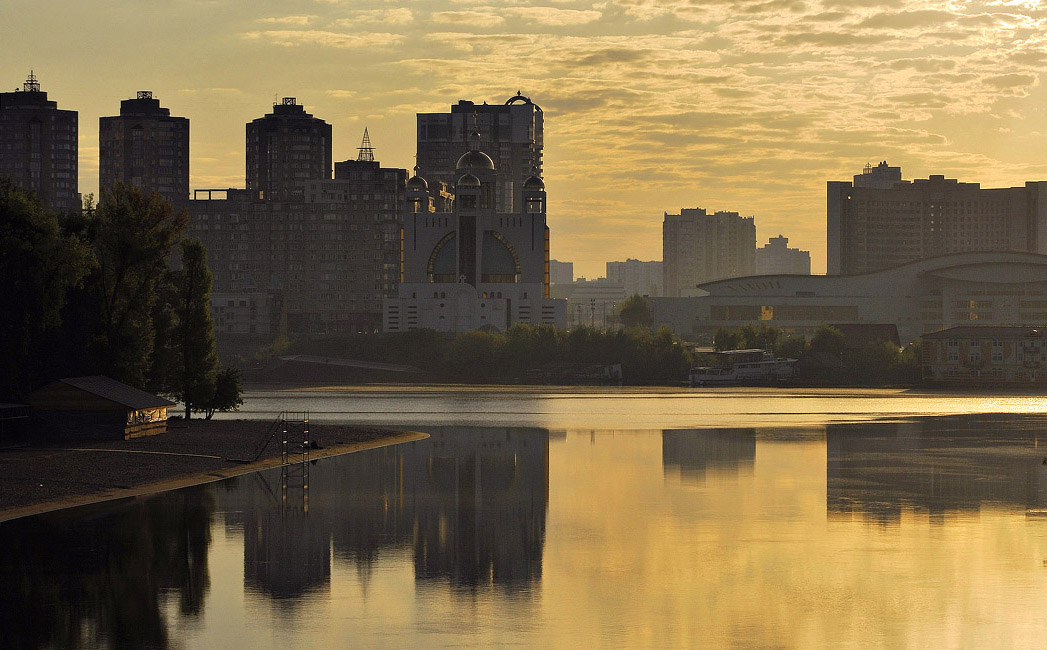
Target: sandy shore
(45,478)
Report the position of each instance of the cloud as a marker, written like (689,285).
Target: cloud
(555,17)
(467,18)
(323,38)
(395,16)
(288,20)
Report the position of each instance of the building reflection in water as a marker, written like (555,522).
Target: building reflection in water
(468,502)
(102,576)
(935,465)
(693,452)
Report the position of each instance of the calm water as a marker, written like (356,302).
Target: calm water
(675,519)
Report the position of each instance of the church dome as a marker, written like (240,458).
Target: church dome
(475,160)
(468,181)
(534,183)
(417,183)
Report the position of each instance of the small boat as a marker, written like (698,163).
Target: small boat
(742,368)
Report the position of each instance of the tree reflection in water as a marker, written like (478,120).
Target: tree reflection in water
(101,576)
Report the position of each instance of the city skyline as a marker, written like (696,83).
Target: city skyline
(755,107)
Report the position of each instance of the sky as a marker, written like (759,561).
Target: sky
(650,105)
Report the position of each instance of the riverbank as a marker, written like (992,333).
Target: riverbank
(44,478)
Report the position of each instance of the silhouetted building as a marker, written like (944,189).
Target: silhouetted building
(636,277)
(776,257)
(880,220)
(986,356)
(700,247)
(511,134)
(999,288)
(146,147)
(474,267)
(38,146)
(321,263)
(561,272)
(285,150)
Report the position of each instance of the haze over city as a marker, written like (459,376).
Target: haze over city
(650,106)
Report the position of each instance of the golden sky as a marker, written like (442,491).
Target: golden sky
(650,105)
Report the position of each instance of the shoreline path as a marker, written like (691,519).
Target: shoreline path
(63,475)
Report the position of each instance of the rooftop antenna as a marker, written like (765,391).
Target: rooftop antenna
(31,84)
(365,148)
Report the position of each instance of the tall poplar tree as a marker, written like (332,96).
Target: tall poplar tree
(133,237)
(193,336)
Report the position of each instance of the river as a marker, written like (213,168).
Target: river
(575,518)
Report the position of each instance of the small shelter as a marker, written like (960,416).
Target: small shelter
(98,407)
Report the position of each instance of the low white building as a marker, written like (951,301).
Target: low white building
(985,288)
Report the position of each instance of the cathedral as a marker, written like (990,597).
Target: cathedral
(467,266)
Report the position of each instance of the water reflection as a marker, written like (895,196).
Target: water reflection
(690,452)
(422,543)
(469,503)
(936,465)
(104,580)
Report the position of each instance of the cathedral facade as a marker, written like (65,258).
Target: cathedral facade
(467,266)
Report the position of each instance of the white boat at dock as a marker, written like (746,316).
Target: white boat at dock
(742,368)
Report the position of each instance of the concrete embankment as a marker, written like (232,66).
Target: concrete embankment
(43,478)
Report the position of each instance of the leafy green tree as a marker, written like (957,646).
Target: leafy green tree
(791,347)
(635,311)
(726,339)
(228,394)
(195,374)
(38,267)
(132,235)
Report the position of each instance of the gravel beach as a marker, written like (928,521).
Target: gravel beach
(54,476)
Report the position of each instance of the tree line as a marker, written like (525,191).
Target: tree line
(115,289)
(522,353)
(826,358)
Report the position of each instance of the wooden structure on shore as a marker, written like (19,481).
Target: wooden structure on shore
(98,407)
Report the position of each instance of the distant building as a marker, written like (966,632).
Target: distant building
(985,288)
(285,150)
(699,247)
(592,302)
(321,265)
(636,277)
(561,272)
(38,146)
(981,355)
(147,147)
(879,220)
(511,133)
(775,257)
(474,267)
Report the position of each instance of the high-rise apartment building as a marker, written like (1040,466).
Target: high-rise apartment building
(561,272)
(285,150)
(147,147)
(38,146)
(775,257)
(700,247)
(511,133)
(636,277)
(880,221)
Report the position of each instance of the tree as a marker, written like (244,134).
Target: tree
(726,339)
(38,267)
(635,311)
(228,394)
(133,236)
(195,375)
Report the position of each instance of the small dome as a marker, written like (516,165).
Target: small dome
(468,181)
(534,183)
(417,183)
(475,160)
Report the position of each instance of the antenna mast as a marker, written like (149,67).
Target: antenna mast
(365,148)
